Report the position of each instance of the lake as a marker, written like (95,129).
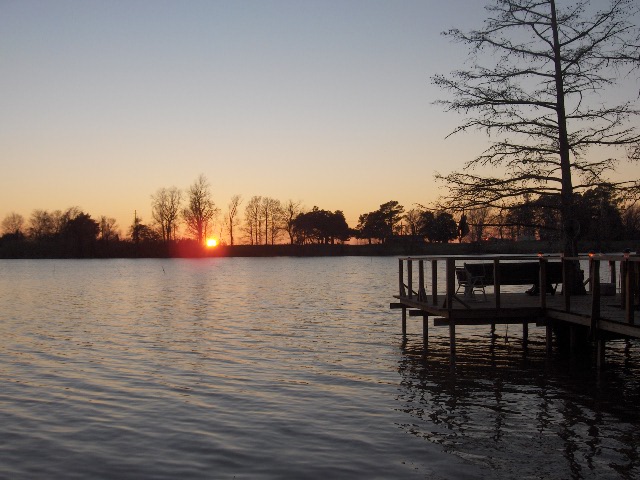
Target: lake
(264,368)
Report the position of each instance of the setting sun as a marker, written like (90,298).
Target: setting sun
(211,242)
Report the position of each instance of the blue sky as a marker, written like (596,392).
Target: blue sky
(326,102)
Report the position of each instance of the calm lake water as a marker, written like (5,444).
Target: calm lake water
(285,368)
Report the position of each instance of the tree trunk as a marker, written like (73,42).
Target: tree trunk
(570,229)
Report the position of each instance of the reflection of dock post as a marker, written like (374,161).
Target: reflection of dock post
(451,270)
(425,331)
(600,349)
(543,302)
(496,290)
(434,281)
(402,294)
(630,290)
(404,322)
(422,296)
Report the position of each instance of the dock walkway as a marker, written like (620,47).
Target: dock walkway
(607,311)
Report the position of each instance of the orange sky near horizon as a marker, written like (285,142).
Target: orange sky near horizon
(327,103)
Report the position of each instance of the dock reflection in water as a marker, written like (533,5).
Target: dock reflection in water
(521,414)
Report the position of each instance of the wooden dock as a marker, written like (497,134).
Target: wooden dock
(608,311)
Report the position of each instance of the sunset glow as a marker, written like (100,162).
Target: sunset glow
(211,242)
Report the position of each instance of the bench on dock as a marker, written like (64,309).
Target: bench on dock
(522,273)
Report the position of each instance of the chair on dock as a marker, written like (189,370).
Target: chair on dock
(470,283)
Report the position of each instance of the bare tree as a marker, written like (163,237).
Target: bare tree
(108,228)
(201,209)
(13,224)
(539,94)
(231,219)
(412,218)
(41,224)
(253,220)
(165,208)
(477,219)
(290,211)
(631,221)
(271,215)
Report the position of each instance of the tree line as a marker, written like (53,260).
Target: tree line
(190,217)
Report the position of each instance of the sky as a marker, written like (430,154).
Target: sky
(325,102)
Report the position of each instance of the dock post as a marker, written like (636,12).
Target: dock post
(496,291)
(594,270)
(566,283)
(525,333)
(543,303)
(434,281)
(422,295)
(451,279)
(402,294)
(425,332)
(623,282)
(630,291)
(410,277)
(573,338)
(404,321)
(612,270)
(543,285)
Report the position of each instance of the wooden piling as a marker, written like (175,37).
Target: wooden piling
(434,281)
(600,352)
(630,291)
(594,269)
(404,322)
(422,294)
(425,331)
(451,283)
(496,290)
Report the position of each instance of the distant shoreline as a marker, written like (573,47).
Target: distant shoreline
(189,249)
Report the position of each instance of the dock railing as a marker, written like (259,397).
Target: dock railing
(627,265)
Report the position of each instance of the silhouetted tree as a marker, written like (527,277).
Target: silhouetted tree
(231,218)
(321,226)
(82,232)
(165,208)
(439,227)
(13,224)
(252,220)
(372,226)
(108,229)
(271,215)
(41,224)
(477,219)
(599,209)
(631,222)
(139,232)
(541,92)
(290,211)
(200,210)
(542,215)
(463,227)
(412,217)
(382,223)
(338,229)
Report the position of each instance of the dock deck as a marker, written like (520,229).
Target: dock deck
(604,313)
